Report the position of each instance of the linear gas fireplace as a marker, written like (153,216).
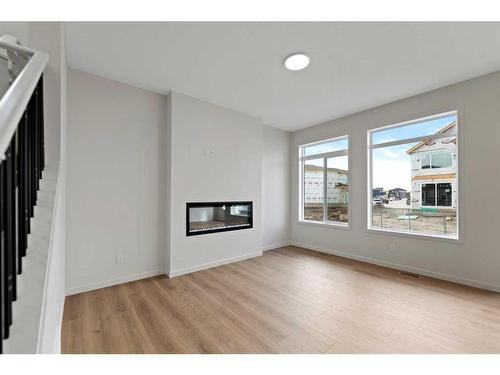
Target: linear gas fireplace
(211,217)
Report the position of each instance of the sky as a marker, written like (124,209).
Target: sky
(391,165)
(334,145)
(340,162)
(411,131)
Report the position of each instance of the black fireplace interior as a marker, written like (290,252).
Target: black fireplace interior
(211,217)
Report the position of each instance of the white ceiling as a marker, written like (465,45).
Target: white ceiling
(354,66)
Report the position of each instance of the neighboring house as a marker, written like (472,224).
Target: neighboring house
(434,171)
(337,187)
(378,192)
(397,193)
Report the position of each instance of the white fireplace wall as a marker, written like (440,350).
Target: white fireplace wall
(216,155)
(159,152)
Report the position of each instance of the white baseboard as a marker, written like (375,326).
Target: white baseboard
(402,267)
(115,281)
(183,271)
(275,246)
(58,343)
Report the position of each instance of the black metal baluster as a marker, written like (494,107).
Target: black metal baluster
(25,171)
(20,175)
(33,156)
(37,143)
(42,125)
(21,231)
(31,167)
(15,200)
(11,204)
(7,245)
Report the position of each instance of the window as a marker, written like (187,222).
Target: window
(436,195)
(324,182)
(434,160)
(413,177)
(429,194)
(325,147)
(313,190)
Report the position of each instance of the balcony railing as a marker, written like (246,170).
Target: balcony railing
(22,161)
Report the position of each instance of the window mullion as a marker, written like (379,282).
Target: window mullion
(331,154)
(302,182)
(325,187)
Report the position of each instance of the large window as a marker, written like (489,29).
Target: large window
(324,182)
(413,177)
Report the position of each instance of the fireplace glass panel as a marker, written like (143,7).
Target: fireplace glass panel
(217,217)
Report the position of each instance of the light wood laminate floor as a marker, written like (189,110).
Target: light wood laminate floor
(290,300)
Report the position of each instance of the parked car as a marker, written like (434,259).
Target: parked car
(378,202)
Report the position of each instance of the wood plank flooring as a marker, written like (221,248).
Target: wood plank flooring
(290,300)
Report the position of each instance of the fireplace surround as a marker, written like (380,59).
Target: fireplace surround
(213,217)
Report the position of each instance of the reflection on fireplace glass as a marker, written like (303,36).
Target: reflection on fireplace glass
(210,217)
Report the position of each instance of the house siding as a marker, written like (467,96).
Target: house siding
(421,176)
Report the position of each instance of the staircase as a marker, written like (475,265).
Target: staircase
(22,166)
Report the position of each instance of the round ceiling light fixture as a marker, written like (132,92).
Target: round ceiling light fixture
(297,61)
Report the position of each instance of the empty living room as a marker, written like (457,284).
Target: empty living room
(226,181)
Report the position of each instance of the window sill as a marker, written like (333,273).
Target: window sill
(416,235)
(325,224)
(440,207)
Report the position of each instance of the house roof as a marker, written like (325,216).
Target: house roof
(443,130)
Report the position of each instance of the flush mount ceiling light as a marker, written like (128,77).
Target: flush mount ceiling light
(297,61)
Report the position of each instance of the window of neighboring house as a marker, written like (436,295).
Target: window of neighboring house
(436,195)
(414,169)
(443,159)
(324,182)
(429,194)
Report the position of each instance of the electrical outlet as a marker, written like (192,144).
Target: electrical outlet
(208,153)
(392,248)
(119,259)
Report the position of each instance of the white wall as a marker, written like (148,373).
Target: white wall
(233,173)
(116,175)
(476,260)
(18,29)
(275,188)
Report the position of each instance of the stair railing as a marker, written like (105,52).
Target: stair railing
(22,161)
